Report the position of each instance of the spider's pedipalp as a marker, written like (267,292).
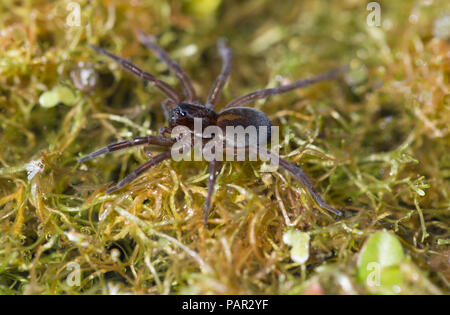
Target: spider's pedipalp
(141,169)
(260,94)
(155,140)
(227,56)
(186,83)
(166,105)
(163,86)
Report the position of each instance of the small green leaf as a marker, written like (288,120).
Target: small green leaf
(65,95)
(48,99)
(379,261)
(202,8)
(59,94)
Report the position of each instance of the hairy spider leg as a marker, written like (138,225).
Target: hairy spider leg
(259,94)
(141,169)
(297,172)
(149,41)
(213,168)
(227,57)
(155,140)
(299,175)
(163,86)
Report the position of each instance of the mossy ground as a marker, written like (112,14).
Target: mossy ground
(376,144)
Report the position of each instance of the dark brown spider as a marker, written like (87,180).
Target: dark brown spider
(180,110)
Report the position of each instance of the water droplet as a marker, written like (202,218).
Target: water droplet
(413,19)
(84,77)
(441,27)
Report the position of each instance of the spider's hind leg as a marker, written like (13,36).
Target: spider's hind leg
(213,168)
(297,172)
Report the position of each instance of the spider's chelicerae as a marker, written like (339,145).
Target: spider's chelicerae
(180,110)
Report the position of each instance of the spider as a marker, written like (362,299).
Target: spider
(180,110)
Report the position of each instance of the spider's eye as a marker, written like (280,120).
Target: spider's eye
(180,112)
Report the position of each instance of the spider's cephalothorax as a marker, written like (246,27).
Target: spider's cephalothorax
(181,110)
(184,115)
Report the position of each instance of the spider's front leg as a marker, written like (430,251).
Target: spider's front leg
(149,41)
(227,55)
(301,83)
(151,140)
(148,77)
(141,169)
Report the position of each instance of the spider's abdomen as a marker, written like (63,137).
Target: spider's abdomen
(245,117)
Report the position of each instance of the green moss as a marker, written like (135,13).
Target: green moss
(375,144)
